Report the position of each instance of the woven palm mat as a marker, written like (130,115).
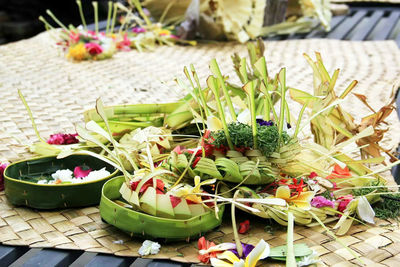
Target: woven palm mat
(58,91)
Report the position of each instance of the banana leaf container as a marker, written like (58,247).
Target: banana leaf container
(45,196)
(148,226)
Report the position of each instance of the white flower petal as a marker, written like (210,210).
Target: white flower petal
(240,263)
(149,247)
(219,247)
(244,117)
(213,123)
(219,263)
(365,211)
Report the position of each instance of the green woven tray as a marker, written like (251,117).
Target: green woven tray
(45,196)
(144,225)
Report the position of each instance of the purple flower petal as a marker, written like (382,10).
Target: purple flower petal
(262,122)
(247,248)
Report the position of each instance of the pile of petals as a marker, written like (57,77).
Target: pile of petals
(81,174)
(146,38)
(227,254)
(80,44)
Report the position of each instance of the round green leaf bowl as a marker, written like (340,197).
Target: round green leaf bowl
(148,226)
(44,196)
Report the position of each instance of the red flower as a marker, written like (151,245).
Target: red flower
(313,175)
(196,160)
(344,201)
(296,185)
(205,244)
(160,186)
(2,168)
(244,227)
(74,36)
(124,44)
(93,48)
(338,172)
(178,149)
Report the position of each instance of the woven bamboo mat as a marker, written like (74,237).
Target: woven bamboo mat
(58,91)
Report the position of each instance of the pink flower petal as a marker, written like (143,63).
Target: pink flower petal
(62,139)
(79,172)
(2,168)
(93,48)
(320,201)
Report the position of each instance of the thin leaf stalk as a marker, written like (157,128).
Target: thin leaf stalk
(110,9)
(114,17)
(290,258)
(56,20)
(79,3)
(296,132)
(250,90)
(282,81)
(217,72)
(30,116)
(212,83)
(46,24)
(140,10)
(96,16)
(202,97)
(234,226)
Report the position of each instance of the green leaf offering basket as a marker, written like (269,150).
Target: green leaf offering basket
(49,196)
(138,223)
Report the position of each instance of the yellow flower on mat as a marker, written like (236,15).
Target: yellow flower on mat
(77,52)
(301,200)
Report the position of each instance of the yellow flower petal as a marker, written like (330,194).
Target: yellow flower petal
(303,201)
(228,255)
(283,192)
(304,196)
(302,204)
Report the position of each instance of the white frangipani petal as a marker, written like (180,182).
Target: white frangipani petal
(244,117)
(213,123)
(365,211)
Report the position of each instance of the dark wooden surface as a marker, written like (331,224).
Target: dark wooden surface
(362,23)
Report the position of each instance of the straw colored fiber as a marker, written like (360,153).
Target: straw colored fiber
(58,91)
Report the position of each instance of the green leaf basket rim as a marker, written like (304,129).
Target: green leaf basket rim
(6,177)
